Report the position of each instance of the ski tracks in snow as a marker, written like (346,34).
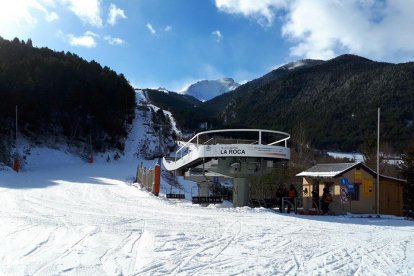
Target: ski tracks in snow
(121,259)
(192,253)
(107,227)
(50,266)
(203,258)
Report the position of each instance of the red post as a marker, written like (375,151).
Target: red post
(16,165)
(90,159)
(157,178)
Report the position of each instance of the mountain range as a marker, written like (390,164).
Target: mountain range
(334,102)
(331,104)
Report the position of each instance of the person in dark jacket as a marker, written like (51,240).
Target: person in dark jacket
(325,201)
(315,198)
(280,193)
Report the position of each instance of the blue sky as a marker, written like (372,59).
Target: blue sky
(172,43)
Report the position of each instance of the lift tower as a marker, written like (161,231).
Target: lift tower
(213,154)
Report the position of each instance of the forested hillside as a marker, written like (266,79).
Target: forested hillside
(334,102)
(61,94)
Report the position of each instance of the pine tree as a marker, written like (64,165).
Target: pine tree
(407,170)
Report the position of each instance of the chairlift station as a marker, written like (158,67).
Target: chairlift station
(217,154)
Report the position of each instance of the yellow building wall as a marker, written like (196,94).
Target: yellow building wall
(391,201)
(366,202)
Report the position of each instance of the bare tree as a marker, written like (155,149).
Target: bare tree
(301,148)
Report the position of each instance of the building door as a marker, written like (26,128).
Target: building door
(390,199)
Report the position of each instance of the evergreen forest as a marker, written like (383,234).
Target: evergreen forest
(59,94)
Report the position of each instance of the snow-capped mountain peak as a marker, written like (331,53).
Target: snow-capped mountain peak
(205,90)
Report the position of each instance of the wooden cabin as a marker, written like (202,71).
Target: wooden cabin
(337,177)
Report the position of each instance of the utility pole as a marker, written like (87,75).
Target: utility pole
(160,143)
(378,173)
(16,163)
(16,126)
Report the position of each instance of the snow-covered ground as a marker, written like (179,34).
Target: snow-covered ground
(359,157)
(68,217)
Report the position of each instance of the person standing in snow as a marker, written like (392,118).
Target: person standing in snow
(315,198)
(280,193)
(292,194)
(325,201)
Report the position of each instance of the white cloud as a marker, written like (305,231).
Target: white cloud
(374,29)
(324,28)
(217,35)
(87,40)
(52,16)
(18,12)
(89,11)
(168,28)
(22,12)
(114,13)
(17,17)
(89,33)
(263,10)
(114,40)
(26,11)
(151,29)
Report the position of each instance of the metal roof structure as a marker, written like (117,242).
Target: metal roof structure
(337,169)
(327,170)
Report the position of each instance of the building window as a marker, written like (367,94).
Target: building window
(355,194)
(330,186)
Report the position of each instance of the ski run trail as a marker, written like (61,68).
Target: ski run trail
(62,216)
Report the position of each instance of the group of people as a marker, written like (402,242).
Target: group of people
(292,193)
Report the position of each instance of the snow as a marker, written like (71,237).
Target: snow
(357,157)
(173,122)
(68,217)
(295,64)
(36,158)
(319,174)
(205,90)
(300,63)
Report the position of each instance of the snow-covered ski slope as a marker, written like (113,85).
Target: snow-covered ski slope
(74,218)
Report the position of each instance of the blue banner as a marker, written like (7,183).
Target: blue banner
(350,186)
(344,181)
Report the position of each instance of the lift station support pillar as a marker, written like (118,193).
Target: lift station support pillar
(240,192)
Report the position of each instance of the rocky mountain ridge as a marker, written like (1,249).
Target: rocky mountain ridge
(205,90)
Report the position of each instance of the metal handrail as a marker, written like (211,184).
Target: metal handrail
(260,131)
